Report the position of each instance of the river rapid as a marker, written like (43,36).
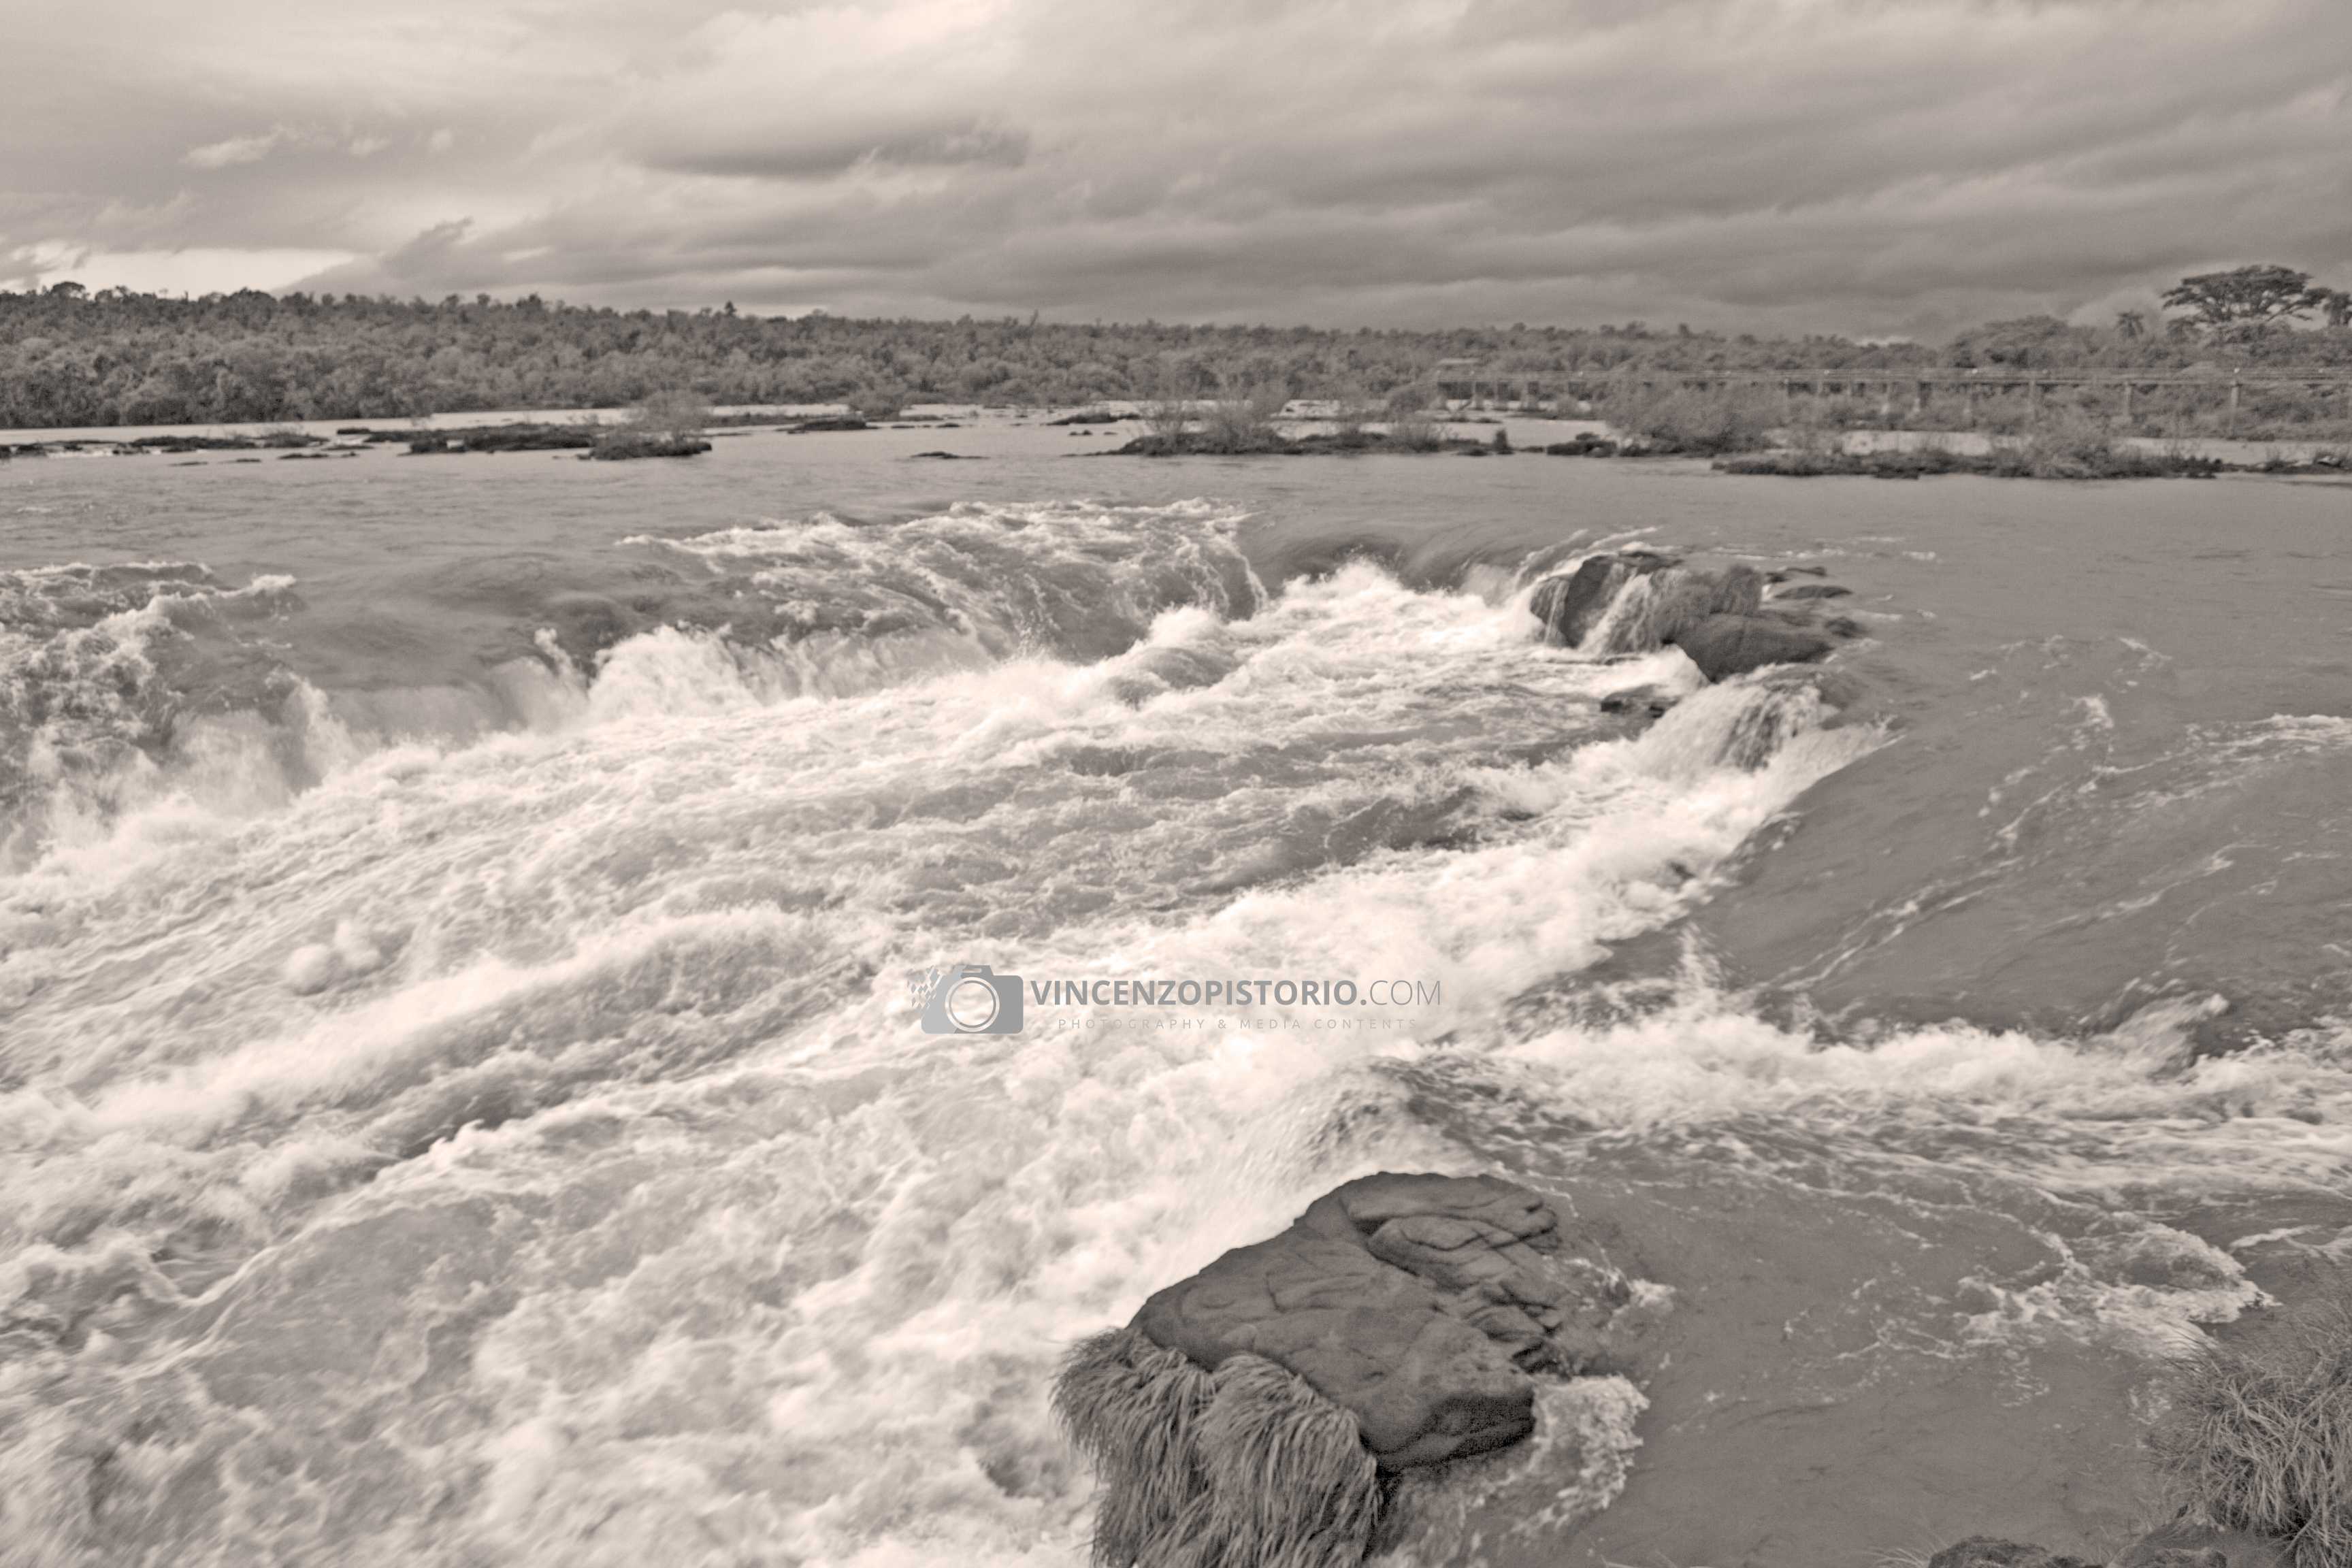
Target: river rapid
(462,1099)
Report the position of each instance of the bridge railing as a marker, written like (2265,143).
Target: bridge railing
(1924,383)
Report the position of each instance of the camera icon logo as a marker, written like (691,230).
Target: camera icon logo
(973,999)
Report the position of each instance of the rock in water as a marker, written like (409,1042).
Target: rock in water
(1247,1414)
(2183,1545)
(1419,1303)
(1739,591)
(1726,645)
(1985,1552)
(1813,591)
(2174,1546)
(1660,598)
(1571,605)
(1653,700)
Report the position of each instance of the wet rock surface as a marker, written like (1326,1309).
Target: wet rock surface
(1421,1304)
(2175,1546)
(1634,601)
(1571,604)
(1726,645)
(1985,1552)
(1651,701)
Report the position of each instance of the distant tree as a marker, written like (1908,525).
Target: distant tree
(2131,324)
(2026,341)
(2246,299)
(878,400)
(2339,308)
(70,357)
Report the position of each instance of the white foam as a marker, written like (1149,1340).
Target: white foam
(610,1110)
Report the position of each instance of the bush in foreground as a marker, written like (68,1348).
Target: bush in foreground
(2258,1437)
(1245,1464)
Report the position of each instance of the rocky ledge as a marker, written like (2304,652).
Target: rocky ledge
(1634,601)
(1257,1411)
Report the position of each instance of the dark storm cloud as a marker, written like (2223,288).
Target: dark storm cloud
(1869,165)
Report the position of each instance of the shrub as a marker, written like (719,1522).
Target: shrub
(1415,433)
(2259,1434)
(674,412)
(1244,424)
(1701,422)
(627,444)
(1165,422)
(878,402)
(1350,414)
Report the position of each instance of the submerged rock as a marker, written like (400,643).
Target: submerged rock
(1653,700)
(1726,645)
(2175,1546)
(1985,1552)
(1813,591)
(2193,1546)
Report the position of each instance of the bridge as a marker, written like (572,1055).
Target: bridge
(1480,385)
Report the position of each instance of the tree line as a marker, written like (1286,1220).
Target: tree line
(72,357)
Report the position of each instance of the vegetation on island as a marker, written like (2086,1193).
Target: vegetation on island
(2043,455)
(1246,426)
(69,357)
(667,425)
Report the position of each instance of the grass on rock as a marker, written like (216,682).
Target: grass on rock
(2259,1434)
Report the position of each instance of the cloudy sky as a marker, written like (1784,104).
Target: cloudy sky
(1872,166)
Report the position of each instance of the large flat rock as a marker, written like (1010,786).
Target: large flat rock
(1726,645)
(1421,1304)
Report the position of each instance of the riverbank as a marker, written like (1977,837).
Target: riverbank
(70,358)
(1301,429)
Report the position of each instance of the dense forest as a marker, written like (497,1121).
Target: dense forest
(70,357)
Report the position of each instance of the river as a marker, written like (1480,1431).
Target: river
(462,1099)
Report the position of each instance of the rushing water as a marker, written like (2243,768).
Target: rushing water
(461,1099)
